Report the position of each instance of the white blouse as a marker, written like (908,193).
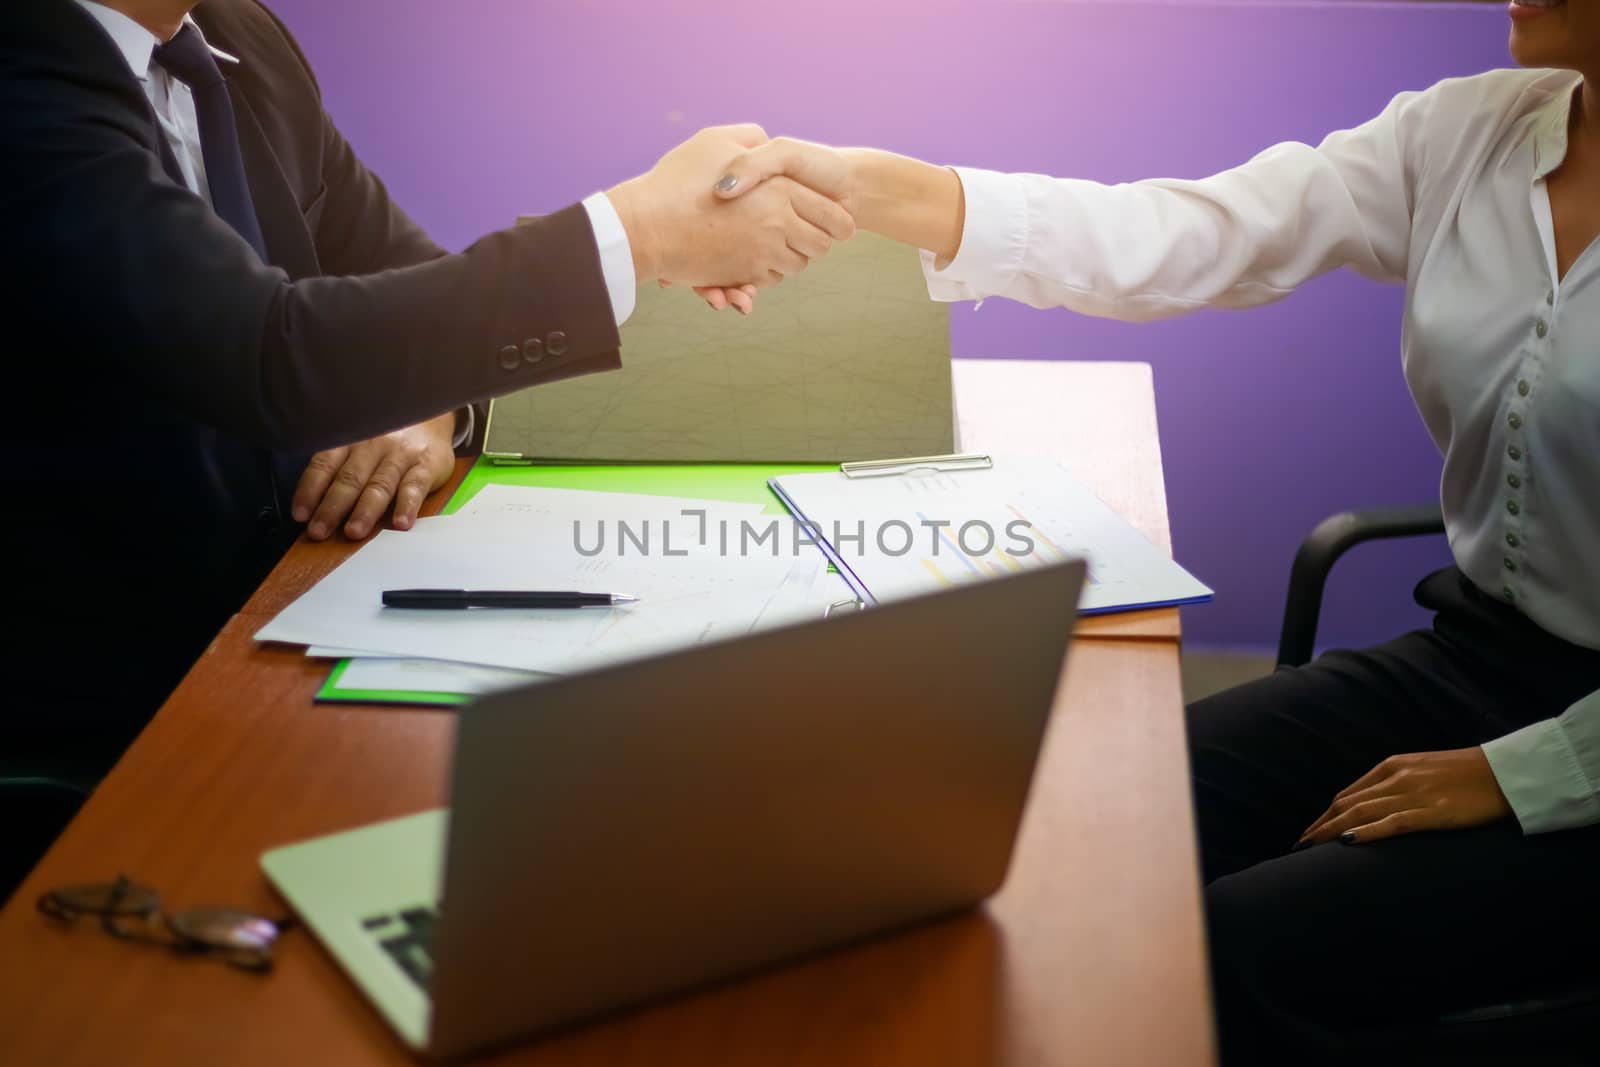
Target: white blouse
(1445,191)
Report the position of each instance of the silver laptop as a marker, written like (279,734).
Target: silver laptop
(849,360)
(620,835)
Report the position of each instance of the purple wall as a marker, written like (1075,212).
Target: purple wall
(1270,420)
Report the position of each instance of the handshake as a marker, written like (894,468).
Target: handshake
(729,212)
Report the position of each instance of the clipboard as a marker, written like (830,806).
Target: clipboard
(1058,518)
(875,468)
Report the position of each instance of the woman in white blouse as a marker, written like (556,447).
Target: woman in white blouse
(1413,828)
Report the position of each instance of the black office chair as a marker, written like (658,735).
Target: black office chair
(36,803)
(1561,1027)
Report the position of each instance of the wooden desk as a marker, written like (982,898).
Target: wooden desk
(1091,954)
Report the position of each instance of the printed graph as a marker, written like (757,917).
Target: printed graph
(953,562)
(941,529)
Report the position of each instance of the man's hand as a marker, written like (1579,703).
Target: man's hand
(355,484)
(681,234)
(1450,790)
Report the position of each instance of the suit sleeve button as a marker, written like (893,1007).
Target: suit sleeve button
(556,343)
(532,350)
(510,357)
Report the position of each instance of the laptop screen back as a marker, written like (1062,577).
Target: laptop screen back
(620,835)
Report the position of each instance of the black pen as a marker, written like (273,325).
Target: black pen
(461,599)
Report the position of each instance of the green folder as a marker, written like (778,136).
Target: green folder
(740,483)
(333,692)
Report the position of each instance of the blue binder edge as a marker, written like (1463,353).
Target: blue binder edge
(856,585)
(1151,606)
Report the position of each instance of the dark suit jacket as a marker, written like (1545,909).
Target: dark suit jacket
(164,380)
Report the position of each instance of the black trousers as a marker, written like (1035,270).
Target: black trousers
(1314,952)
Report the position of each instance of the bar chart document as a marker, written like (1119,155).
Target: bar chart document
(897,536)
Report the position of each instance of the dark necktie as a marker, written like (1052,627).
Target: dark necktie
(187,58)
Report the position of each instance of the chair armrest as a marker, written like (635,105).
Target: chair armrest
(76,791)
(1332,538)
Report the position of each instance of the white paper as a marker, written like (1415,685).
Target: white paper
(329,652)
(698,579)
(811,591)
(917,532)
(809,594)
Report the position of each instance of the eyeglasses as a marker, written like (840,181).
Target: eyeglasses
(131,912)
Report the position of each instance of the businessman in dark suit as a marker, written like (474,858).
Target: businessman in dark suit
(204,285)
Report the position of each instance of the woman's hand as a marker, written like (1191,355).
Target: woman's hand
(355,484)
(1450,790)
(742,297)
(679,232)
(906,199)
(829,171)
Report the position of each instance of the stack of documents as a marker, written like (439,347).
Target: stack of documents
(895,533)
(701,570)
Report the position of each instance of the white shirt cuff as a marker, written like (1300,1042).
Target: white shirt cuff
(1541,771)
(994,238)
(616,255)
(464,427)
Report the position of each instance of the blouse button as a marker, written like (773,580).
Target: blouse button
(1522,388)
(1542,328)
(1514,452)
(1512,540)
(1514,420)
(1511,564)
(1550,297)
(1513,481)
(1513,507)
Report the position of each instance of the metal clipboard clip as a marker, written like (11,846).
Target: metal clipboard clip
(853,604)
(883,468)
